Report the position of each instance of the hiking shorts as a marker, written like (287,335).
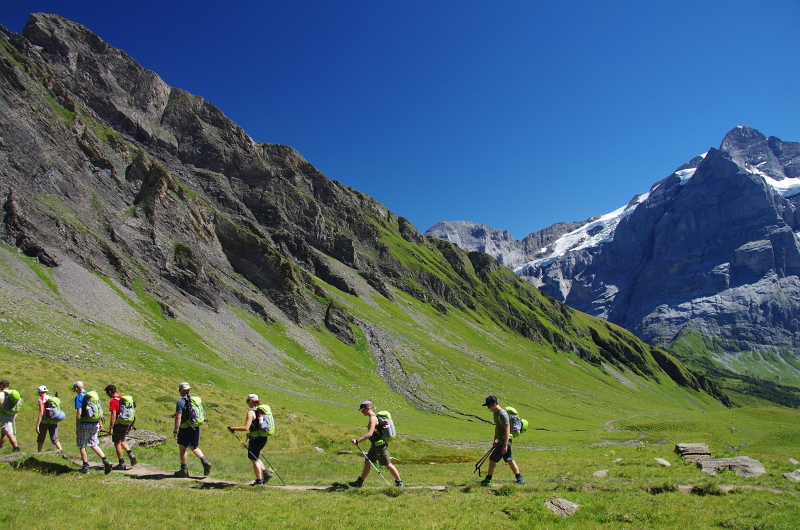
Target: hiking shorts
(498,455)
(44,429)
(379,453)
(7,425)
(255,446)
(87,436)
(119,432)
(189,436)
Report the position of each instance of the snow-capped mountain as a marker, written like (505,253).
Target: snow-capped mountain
(714,246)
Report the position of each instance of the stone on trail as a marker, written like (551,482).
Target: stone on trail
(319,449)
(603,473)
(662,462)
(693,452)
(794,476)
(743,466)
(793,461)
(562,507)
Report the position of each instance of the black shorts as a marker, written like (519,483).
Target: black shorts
(189,436)
(498,455)
(119,432)
(255,446)
(45,428)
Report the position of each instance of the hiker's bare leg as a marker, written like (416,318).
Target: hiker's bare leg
(492,465)
(99,452)
(182,453)
(258,468)
(118,447)
(394,472)
(197,452)
(41,444)
(365,471)
(84,456)
(514,467)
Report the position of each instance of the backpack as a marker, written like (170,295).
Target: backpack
(92,409)
(518,425)
(195,413)
(52,411)
(264,422)
(12,402)
(385,427)
(127,410)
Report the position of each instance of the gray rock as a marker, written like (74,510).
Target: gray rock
(742,465)
(793,461)
(562,507)
(603,473)
(319,449)
(794,476)
(662,462)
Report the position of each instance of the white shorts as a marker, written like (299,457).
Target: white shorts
(7,425)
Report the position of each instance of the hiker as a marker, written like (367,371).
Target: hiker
(379,448)
(186,434)
(44,422)
(8,423)
(88,422)
(502,442)
(119,429)
(257,440)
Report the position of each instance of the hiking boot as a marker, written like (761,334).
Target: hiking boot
(84,469)
(133,460)
(107,467)
(398,484)
(520,481)
(17,449)
(206,469)
(182,473)
(486,482)
(357,483)
(258,483)
(267,475)
(120,467)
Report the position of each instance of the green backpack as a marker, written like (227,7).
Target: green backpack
(92,407)
(518,425)
(264,422)
(385,427)
(12,402)
(52,411)
(194,413)
(127,410)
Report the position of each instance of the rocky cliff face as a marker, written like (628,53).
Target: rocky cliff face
(714,247)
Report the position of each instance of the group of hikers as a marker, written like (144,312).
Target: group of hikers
(189,416)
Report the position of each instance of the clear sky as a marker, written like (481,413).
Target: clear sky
(511,114)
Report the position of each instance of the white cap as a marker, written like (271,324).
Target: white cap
(77,384)
(41,389)
(184,386)
(251,397)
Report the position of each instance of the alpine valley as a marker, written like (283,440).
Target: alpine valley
(705,264)
(146,240)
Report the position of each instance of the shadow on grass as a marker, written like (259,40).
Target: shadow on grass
(42,466)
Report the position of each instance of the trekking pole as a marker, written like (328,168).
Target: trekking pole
(373,465)
(260,455)
(482,460)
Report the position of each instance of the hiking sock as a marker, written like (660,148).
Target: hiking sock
(121,460)
(132,458)
(518,476)
(206,466)
(184,467)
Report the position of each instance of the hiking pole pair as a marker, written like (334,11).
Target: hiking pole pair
(260,455)
(482,460)
(373,465)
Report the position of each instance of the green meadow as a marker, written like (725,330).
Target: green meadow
(432,370)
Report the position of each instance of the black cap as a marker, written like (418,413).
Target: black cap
(490,400)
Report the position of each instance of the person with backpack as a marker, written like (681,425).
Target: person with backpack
(88,422)
(258,424)
(47,421)
(189,415)
(120,424)
(501,443)
(9,405)
(379,448)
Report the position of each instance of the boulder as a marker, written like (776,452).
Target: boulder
(562,507)
(692,452)
(794,476)
(662,462)
(743,466)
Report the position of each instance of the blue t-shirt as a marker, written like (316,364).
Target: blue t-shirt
(79,400)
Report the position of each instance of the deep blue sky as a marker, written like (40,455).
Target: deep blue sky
(512,114)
